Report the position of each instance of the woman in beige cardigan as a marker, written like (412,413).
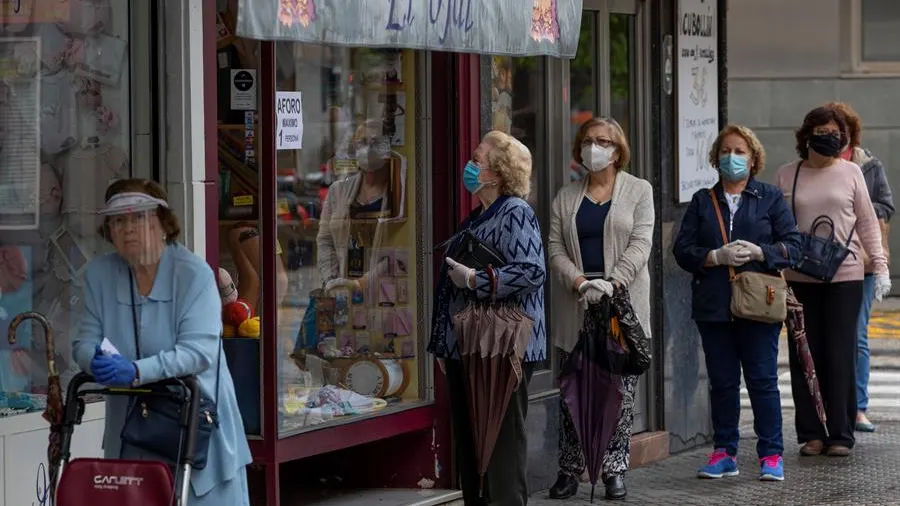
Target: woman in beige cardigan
(601,234)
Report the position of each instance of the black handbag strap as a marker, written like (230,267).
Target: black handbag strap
(137,339)
(794,207)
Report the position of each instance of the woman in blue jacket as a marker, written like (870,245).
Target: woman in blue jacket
(763,237)
(173,332)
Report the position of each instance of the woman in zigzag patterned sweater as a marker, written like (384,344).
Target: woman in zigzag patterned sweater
(499,174)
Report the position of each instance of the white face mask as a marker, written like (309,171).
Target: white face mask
(596,158)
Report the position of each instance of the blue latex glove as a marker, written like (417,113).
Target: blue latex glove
(113,370)
(96,361)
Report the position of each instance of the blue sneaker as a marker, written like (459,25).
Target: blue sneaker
(720,464)
(771,468)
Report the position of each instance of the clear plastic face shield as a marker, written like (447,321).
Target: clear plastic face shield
(134,228)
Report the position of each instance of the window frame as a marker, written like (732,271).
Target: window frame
(858,63)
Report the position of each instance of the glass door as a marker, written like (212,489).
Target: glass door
(605,79)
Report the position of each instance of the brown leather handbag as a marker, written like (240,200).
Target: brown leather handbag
(754,295)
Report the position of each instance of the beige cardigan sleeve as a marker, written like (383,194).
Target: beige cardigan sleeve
(640,243)
(560,262)
(326,256)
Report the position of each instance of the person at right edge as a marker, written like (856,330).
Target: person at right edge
(828,185)
(762,237)
(883,202)
(601,234)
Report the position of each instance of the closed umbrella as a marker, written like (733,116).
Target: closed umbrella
(492,337)
(796,326)
(53,413)
(591,390)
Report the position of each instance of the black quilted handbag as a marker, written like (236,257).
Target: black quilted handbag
(820,256)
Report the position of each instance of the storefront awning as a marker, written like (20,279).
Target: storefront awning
(504,27)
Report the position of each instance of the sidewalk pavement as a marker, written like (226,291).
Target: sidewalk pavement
(870,476)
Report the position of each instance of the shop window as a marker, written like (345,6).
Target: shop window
(349,324)
(64,136)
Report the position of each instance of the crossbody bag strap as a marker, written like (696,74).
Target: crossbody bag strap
(794,190)
(134,318)
(715,202)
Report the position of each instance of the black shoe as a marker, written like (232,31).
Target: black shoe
(565,487)
(615,487)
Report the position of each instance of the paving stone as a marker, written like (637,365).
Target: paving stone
(870,476)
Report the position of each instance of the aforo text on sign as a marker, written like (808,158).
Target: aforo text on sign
(289,120)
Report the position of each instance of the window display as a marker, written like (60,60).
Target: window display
(348,323)
(64,109)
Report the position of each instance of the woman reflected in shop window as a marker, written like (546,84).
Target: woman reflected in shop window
(354,210)
(499,175)
(601,234)
(153,300)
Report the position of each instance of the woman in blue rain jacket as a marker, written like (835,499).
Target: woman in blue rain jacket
(178,310)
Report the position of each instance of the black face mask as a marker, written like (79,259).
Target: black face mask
(826,144)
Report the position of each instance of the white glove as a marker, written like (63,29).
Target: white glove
(592,292)
(462,276)
(731,254)
(882,286)
(756,253)
(338,283)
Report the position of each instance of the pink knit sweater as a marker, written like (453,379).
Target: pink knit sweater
(840,193)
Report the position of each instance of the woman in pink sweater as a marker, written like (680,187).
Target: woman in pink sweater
(827,185)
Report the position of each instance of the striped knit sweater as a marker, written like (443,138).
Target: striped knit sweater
(513,229)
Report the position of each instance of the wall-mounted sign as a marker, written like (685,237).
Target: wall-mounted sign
(289,120)
(698,95)
(243,89)
(506,27)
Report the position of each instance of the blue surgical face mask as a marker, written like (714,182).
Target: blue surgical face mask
(733,167)
(470,177)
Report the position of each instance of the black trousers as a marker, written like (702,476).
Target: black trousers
(831,311)
(505,483)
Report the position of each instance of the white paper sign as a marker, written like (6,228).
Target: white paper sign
(698,95)
(288,120)
(108,348)
(243,89)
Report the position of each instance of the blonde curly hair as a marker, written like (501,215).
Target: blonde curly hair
(512,161)
(757,152)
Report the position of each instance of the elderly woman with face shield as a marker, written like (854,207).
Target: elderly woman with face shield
(762,237)
(499,175)
(601,233)
(158,305)
(349,228)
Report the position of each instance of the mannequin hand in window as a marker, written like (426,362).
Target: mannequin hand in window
(359,284)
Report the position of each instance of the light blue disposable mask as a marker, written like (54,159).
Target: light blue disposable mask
(470,177)
(733,167)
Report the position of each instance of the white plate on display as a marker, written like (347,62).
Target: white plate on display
(376,377)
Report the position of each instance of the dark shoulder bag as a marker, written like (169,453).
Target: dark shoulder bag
(158,424)
(820,256)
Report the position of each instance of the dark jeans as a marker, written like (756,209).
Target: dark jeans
(505,482)
(753,346)
(831,311)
